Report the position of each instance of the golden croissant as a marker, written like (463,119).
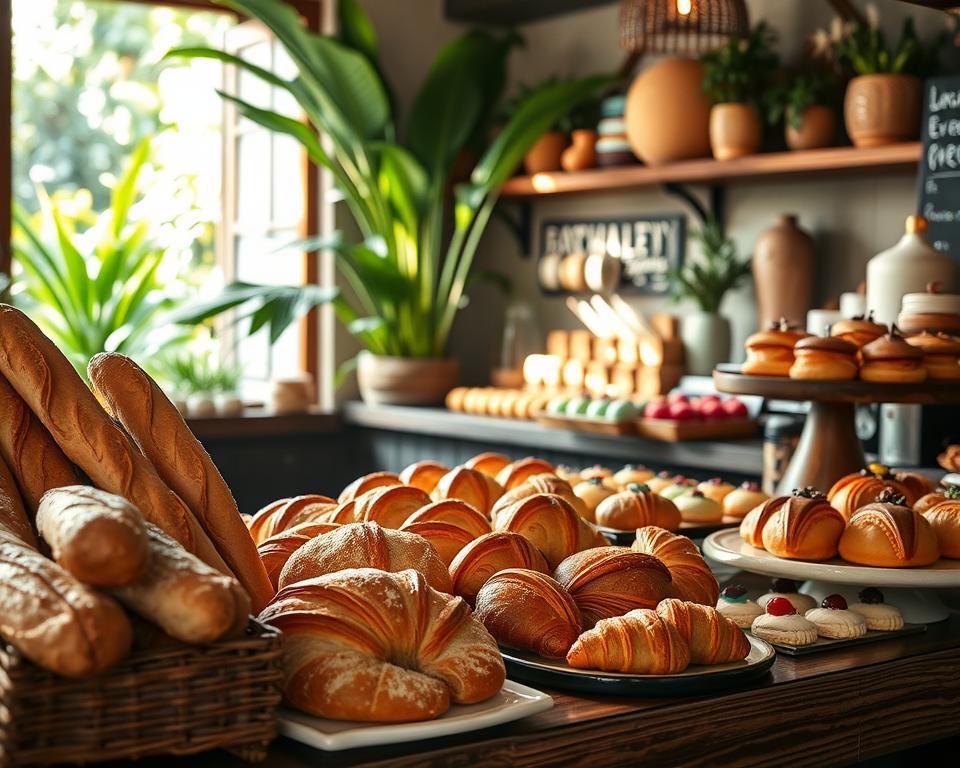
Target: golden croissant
(690,576)
(550,523)
(286,513)
(489,554)
(712,637)
(276,551)
(640,642)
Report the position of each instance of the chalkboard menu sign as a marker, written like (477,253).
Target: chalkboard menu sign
(940,163)
(645,249)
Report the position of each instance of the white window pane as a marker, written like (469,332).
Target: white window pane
(288,181)
(253,174)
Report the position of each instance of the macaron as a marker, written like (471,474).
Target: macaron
(597,409)
(577,406)
(557,405)
(620,410)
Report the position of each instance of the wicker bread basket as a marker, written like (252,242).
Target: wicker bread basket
(174,700)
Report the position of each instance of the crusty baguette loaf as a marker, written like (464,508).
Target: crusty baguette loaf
(33,456)
(13,517)
(159,430)
(98,537)
(56,394)
(186,598)
(49,616)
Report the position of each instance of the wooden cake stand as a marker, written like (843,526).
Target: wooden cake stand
(829,447)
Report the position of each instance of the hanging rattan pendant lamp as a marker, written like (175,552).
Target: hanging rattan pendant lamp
(680,27)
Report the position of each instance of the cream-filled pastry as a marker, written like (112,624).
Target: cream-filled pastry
(736,606)
(715,489)
(878,615)
(780,623)
(661,481)
(741,500)
(833,619)
(678,487)
(633,473)
(696,508)
(788,588)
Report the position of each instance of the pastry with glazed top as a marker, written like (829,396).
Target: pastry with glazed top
(447,539)
(741,500)
(551,523)
(889,534)
(276,551)
(490,554)
(365,545)
(690,576)
(529,610)
(453,512)
(803,527)
(367,483)
(695,507)
(545,483)
(390,506)
(781,623)
(752,525)
(283,514)
(366,645)
(712,637)
(915,485)
(788,589)
(640,642)
(570,474)
(858,330)
(929,500)
(601,473)
(855,490)
(833,619)
(662,480)
(632,473)
(423,475)
(635,507)
(821,358)
(770,352)
(944,518)
(715,488)
(470,485)
(609,581)
(891,359)
(489,463)
(592,493)
(736,606)
(878,615)
(518,472)
(678,487)
(941,355)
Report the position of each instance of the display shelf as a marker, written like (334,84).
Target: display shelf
(814,162)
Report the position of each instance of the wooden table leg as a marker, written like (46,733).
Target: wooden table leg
(828,449)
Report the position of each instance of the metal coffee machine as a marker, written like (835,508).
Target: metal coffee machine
(914,435)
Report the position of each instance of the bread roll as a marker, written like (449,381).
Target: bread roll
(453,512)
(489,463)
(30,452)
(636,507)
(13,517)
(447,539)
(182,463)
(48,383)
(890,535)
(98,537)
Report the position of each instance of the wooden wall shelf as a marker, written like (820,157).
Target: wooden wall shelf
(815,163)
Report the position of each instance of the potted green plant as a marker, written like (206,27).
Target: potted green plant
(735,78)
(408,279)
(704,331)
(882,100)
(805,104)
(201,384)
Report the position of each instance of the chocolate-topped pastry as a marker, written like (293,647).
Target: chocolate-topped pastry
(889,534)
(891,359)
(824,358)
(855,490)
(944,518)
(941,355)
(770,352)
(858,330)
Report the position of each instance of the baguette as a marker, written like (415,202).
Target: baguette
(98,537)
(186,598)
(13,517)
(56,394)
(35,459)
(49,616)
(161,434)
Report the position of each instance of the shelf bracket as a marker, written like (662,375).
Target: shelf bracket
(715,209)
(520,224)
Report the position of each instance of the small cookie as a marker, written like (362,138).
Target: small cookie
(782,624)
(788,588)
(736,606)
(878,615)
(833,619)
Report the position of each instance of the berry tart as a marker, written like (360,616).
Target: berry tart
(788,588)
(782,624)
(833,619)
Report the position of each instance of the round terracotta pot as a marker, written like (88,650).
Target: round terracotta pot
(882,109)
(818,128)
(405,380)
(735,130)
(667,114)
(582,152)
(544,155)
(784,260)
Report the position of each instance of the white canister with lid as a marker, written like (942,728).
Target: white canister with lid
(907,267)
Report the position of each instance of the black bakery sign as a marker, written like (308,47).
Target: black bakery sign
(649,247)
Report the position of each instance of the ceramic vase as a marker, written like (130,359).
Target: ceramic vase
(735,130)
(405,380)
(818,128)
(784,259)
(706,341)
(582,153)
(544,155)
(882,109)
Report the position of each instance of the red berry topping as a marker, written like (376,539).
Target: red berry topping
(734,590)
(783,586)
(780,606)
(871,596)
(697,494)
(834,603)
(715,481)
(750,486)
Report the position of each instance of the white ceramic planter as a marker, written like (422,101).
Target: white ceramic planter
(706,341)
(405,380)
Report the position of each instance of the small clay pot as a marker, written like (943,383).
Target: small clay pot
(582,153)
(544,155)
(882,109)
(735,130)
(818,128)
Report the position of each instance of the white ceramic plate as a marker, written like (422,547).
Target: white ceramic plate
(515,701)
(728,548)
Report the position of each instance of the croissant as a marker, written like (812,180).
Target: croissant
(804,527)
(518,472)
(890,535)
(753,523)
(366,645)
(690,577)
(389,505)
(423,475)
(489,463)
(454,512)
(342,513)
(489,554)
(712,637)
(477,489)
(640,642)
(545,483)
(528,610)
(916,485)
(286,513)
(636,507)
(447,539)
(609,581)
(550,523)
(944,518)
(276,551)
(855,490)
(367,483)
(359,545)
